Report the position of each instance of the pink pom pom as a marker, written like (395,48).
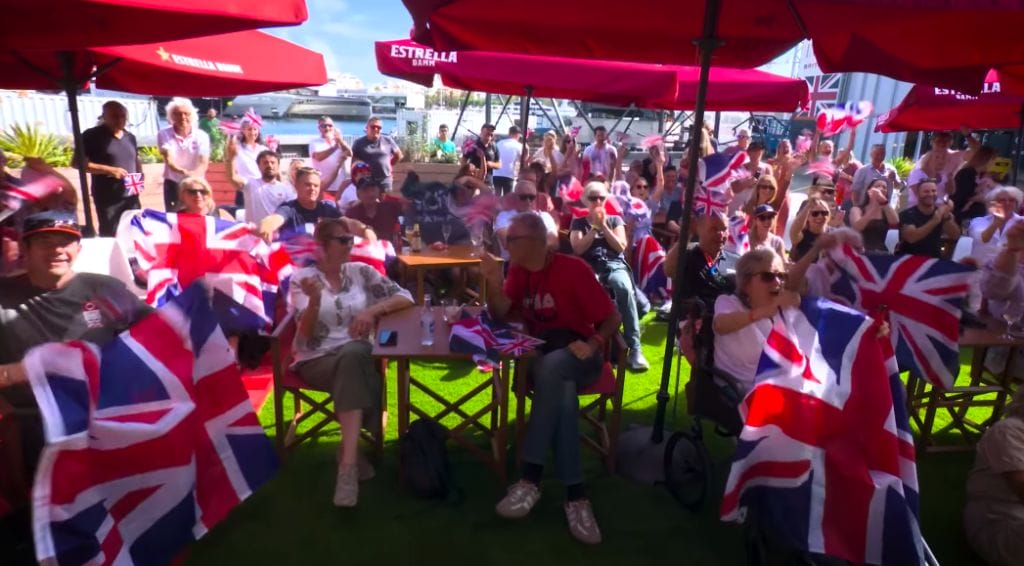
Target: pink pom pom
(803,144)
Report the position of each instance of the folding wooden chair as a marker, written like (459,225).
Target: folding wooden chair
(601,430)
(306,404)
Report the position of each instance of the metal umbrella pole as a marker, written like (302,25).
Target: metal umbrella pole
(67,62)
(642,450)
(462,110)
(524,120)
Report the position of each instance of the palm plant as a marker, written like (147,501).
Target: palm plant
(22,141)
(902,165)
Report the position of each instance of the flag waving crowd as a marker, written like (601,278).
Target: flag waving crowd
(145,438)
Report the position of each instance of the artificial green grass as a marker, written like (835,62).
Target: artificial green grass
(291,520)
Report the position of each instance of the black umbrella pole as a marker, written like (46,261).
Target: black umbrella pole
(71,89)
(1020,143)
(524,119)
(706,46)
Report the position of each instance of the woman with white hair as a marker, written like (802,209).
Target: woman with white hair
(600,239)
(196,197)
(548,154)
(987,231)
(184,147)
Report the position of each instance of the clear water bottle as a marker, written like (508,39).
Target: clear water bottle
(427,323)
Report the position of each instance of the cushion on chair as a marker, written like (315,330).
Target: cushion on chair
(605,384)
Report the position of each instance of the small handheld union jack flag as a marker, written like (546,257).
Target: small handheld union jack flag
(134,184)
(706,201)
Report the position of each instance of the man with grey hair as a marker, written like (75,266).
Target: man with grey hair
(112,157)
(184,147)
(877,168)
(380,151)
(562,303)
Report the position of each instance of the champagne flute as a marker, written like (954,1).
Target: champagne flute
(446,231)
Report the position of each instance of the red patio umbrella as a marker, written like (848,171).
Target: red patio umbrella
(948,42)
(74,24)
(218,65)
(608,82)
(936,108)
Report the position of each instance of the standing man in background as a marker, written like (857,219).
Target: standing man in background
(379,151)
(601,155)
(330,155)
(484,153)
(510,153)
(184,147)
(112,157)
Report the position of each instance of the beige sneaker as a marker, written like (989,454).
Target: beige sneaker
(346,490)
(582,524)
(366,471)
(521,497)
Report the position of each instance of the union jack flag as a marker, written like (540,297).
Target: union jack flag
(230,127)
(14,197)
(648,261)
(151,439)
(486,340)
(739,235)
(708,201)
(133,184)
(177,249)
(825,461)
(824,91)
(480,211)
(920,298)
(721,168)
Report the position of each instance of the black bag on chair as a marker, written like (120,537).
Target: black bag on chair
(424,460)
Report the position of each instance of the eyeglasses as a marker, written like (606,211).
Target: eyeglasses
(819,213)
(527,197)
(769,276)
(325,126)
(197,192)
(344,239)
(596,198)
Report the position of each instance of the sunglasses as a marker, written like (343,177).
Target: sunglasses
(769,276)
(765,186)
(197,192)
(326,126)
(596,199)
(527,197)
(819,213)
(345,239)
(374,128)
(642,186)
(766,217)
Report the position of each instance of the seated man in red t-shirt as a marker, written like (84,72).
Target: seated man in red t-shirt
(379,213)
(562,303)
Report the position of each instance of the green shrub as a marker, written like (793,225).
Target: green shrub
(150,154)
(21,141)
(902,165)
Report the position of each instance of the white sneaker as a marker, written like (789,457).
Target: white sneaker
(346,490)
(521,498)
(637,361)
(581,520)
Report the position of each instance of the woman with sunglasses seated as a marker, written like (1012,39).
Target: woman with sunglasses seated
(763,193)
(600,239)
(196,197)
(743,320)
(810,223)
(524,201)
(336,305)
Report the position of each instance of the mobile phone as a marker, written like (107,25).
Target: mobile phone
(387,338)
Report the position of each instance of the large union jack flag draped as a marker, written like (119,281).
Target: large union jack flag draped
(177,249)
(151,439)
(825,462)
(487,340)
(919,297)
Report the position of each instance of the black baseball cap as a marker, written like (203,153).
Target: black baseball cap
(51,221)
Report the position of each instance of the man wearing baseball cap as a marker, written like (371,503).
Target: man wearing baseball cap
(50,303)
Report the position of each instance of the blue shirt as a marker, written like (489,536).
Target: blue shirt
(298,218)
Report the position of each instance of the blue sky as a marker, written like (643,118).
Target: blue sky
(344,31)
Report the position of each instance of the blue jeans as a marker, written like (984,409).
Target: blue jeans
(556,378)
(620,283)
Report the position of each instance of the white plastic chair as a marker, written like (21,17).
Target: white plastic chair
(892,237)
(105,257)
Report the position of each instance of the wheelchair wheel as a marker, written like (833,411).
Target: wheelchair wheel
(687,470)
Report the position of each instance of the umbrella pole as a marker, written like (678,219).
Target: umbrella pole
(504,108)
(524,120)
(1020,142)
(706,45)
(462,110)
(629,111)
(554,108)
(487,108)
(545,112)
(583,115)
(71,89)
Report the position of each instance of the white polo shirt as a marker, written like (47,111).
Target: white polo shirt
(327,166)
(187,152)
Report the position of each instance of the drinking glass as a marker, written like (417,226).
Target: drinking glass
(450,309)
(1012,315)
(476,237)
(446,231)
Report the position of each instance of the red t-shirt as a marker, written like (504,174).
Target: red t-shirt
(383,222)
(566,295)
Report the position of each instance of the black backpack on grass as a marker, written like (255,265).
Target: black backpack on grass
(424,460)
